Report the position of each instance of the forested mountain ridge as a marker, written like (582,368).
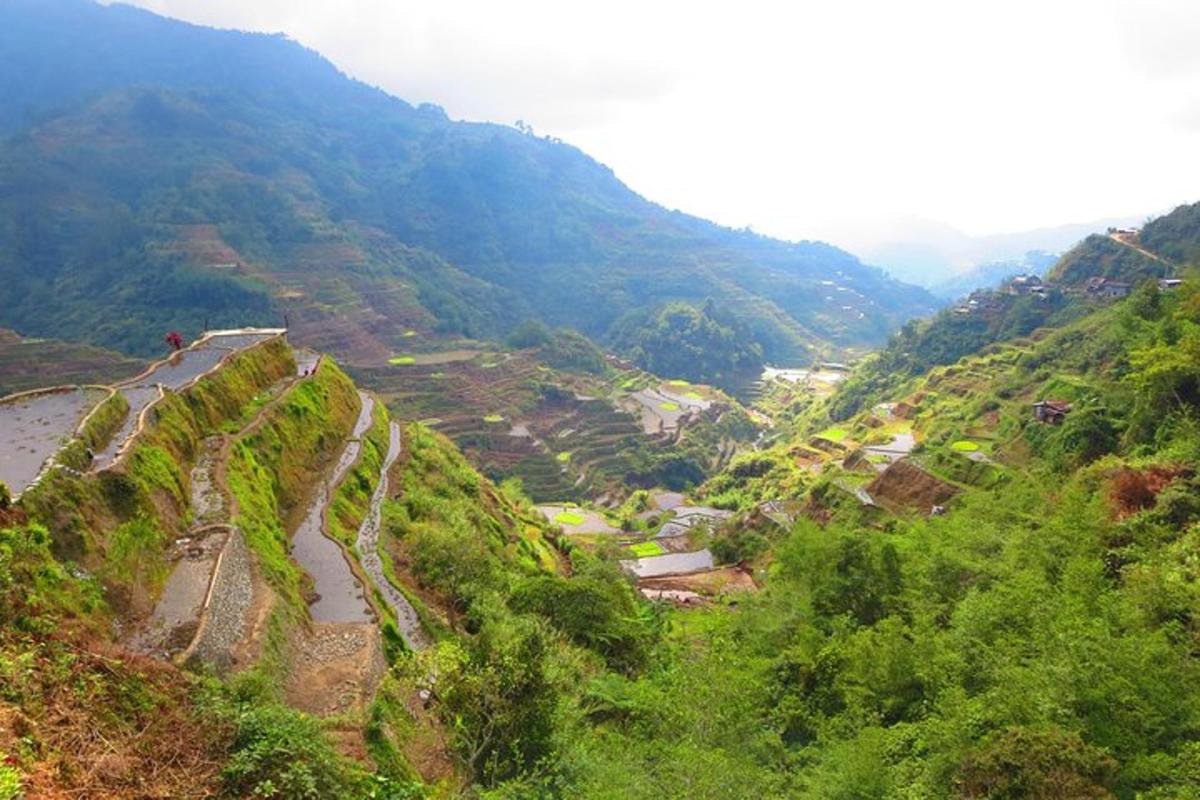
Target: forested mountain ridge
(968,598)
(1168,246)
(150,162)
(1159,249)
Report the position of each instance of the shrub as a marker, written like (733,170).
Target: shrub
(282,753)
(1037,765)
(10,783)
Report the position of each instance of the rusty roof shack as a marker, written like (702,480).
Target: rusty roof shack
(1051,412)
(1024,284)
(1106,288)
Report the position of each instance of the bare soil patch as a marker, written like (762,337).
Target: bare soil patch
(904,485)
(710,583)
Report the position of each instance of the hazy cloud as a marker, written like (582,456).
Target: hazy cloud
(809,119)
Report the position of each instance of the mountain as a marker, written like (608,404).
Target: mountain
(1161,248)
(276,590)
(1168,246)
(929,253)
(159,174)
(983,276)
(961,600)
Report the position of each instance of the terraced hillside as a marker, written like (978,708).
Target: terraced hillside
(208,546)
(237,178)
(33,363)
(565,435)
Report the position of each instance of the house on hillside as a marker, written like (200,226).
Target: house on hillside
(1167,284)
(980,302)
(1106,288)
(1051,412)
(1024,284)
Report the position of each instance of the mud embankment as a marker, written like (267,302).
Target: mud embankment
(367,545)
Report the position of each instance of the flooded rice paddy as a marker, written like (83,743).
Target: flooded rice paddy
(176,372)
(34,427)
(575,520)
(339,594)
(670,564)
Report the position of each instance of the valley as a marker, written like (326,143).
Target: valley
(349,450)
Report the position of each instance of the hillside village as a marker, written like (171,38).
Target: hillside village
(351,451)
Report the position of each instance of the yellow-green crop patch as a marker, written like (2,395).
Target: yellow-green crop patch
(402,360)
(693,395)
(678,383)
(493,418)
(669,406)
(564,456)
(964,446)
(834,434)
(569,518)
(645,549)
(409,334)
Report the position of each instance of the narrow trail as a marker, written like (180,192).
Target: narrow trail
(1139,249)
(177,618)
(367,546)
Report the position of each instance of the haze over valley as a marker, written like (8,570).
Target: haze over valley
(599,401)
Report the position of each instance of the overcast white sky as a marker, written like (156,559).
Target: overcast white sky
(806,119)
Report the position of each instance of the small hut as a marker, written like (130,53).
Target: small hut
(1051,412)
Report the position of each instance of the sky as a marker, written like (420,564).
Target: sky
(846,121)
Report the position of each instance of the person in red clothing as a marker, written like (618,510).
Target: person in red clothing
(175,340)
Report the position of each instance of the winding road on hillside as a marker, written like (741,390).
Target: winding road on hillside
(1124,239)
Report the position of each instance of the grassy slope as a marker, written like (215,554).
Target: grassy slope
(1036,641)
(273,468)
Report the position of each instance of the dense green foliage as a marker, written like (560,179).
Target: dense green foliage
(705,344)
(1036,641)
(365,203)
(920,345)
(563,348)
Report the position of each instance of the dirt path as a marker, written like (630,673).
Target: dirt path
(367,546)
(336,667)
(1116,237)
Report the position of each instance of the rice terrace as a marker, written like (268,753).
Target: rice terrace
(358,446)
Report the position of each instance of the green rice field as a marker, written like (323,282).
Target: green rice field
(569,518)
(834,434)
(645,549)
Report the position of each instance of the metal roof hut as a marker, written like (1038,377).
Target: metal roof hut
(1051,412)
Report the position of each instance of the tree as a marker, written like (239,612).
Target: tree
(1023,764)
